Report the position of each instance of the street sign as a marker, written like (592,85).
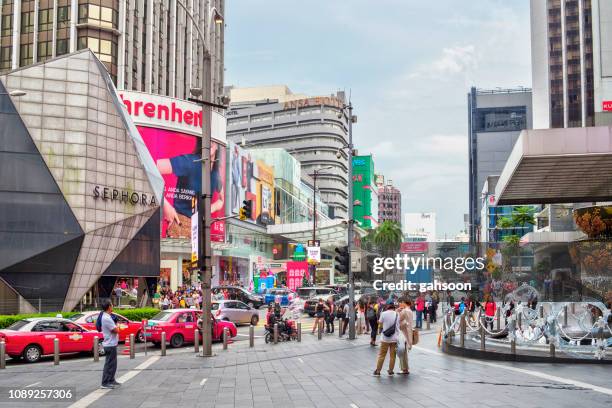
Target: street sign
(194,238)
(315,243)
(314,254)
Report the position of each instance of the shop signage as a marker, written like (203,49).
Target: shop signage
(316,101)
(295,274)
(314,254)
(411,247)
(606,106)
(132,197)
(299,254)
(194,238)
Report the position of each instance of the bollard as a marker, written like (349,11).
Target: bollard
(573,308)
(428,325)
(448,320)
(299,332)
(319,331)
(565,316)
(2,354)
(513,346)
(497,325)
(482,335)
(163,343)
(96,349)
(519,320)
(252,336)
(462,332)
(225,338)
(56,351)
(196,341)
(275,333)
(541,311)
(132,346)
(552,350)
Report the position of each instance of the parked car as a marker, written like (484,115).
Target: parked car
(217,328)
(339,301)
(309,292)
(33,338)
(310,304)
(241,294)
(272,293)
(180,326)
(125,326)
(235,311)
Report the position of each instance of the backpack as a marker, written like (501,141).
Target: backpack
(370,314)
(99,322)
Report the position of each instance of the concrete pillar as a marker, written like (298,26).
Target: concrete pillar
(179,264)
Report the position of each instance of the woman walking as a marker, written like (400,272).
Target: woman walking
(329,315)
(360,317)
(372,318)
(406,320)
(319,316)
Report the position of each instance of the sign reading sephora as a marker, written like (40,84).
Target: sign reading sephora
(107,193)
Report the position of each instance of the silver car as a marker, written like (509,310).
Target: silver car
(235,311)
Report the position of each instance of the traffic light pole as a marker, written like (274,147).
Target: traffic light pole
(351,278)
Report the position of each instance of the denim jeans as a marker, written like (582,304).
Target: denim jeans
(419,319)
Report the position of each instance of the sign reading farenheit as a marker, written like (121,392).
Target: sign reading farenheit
(171,111)
(108,193)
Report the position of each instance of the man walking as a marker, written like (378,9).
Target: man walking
(390,329)
(111,339)
(419,305)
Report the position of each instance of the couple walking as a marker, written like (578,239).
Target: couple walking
(396,328)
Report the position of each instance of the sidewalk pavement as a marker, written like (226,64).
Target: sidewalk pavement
(332,372)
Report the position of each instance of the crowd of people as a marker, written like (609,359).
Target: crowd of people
(183,297)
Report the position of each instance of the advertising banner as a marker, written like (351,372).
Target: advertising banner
(251,180)
(295,273)
(177,156)
(413,247)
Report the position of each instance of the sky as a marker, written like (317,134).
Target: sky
(408,65)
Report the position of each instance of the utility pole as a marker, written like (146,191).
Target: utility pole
(351,278)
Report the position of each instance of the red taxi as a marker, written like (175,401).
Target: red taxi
(125,326)
(33,338)
(180,326)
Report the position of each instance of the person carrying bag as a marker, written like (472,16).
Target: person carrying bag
(407,333)
(390,330)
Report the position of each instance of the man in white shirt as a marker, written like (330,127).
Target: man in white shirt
(111,339)
(389,321)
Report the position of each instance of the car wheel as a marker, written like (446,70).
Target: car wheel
(177,340)
(140,338)
(32,353)
(254,320)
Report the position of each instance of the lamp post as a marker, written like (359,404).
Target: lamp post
(351,278)
(204,218)
(314,175)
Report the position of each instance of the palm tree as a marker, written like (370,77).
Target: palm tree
(388,238)
(521,216)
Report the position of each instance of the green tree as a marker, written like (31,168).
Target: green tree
(522,216)
(388,238)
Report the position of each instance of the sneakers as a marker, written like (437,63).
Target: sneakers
(116,384)
(376,373)
(107,386)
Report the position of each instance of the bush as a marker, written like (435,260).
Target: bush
(131,314)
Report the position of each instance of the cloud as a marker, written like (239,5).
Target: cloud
(452,61)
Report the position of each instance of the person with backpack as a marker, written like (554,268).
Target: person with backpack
(389,320)
(319,316)
(372,319)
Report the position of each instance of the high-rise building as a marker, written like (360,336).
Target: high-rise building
(419,227)
(571,59)
(146,45)
(365,193)
(389,203)
(495,120)
(313,129)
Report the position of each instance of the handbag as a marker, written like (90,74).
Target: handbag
(415,337)
(401,344)
(391,330)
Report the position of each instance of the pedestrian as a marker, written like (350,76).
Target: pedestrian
(420,307)
(340,317)
(111,339)
(372,318)
(345,320)
(329,315)
(405,325)
(360,317)
(319,316)
(451,300)
(490,309)
(390,329)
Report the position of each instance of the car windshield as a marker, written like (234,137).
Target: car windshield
(163,316)
(18,325)
(76,317)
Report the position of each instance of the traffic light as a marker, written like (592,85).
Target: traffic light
(246,210)
(341,261)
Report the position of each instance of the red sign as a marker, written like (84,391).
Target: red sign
(296,270)
(607,106)
(411,247)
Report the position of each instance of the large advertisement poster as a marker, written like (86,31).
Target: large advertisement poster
(177,156)
(251,180)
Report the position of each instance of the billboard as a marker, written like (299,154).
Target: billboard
(177,157)
(412,247)
(250,180)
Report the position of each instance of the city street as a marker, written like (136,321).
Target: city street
(328,373)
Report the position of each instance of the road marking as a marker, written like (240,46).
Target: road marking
(354,406)
(532,373)
(31,385)
(300,360)
(203,381)
(431,371)
(99,393)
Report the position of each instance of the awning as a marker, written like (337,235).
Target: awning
(558,166)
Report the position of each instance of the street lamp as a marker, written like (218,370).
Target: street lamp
(314,176)
(204,221)
(351,278)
